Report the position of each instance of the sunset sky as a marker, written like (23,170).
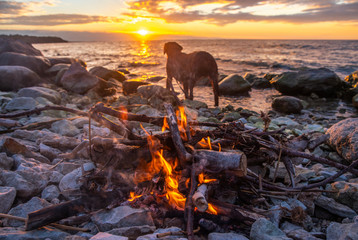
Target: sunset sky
(157,19)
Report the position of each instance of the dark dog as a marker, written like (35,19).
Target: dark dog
(189,68)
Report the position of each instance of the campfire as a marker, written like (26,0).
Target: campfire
(197,171)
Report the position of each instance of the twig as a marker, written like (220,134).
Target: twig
(189,205)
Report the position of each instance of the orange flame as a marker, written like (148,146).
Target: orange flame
(165,124)
(201,179)
(182,122)
(123,113)
(205,143)
(212,209)
(133,196)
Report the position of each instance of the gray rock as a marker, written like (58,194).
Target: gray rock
(21,103)
(98,131)
(22,186)
(231,116)
(287,104)
(49,152)
(355,100)
(9,233)
(194,104)
(133,232)
(148,91)
(107,236)
(131,86)
(347,193)
(343,137)
(335,208)
(34,92)
(18,46)
(65,127)
(226,236)
(59,142)
(123,216)
(149,111)
(78,80)
(57,67)
(337,231)
(38,64)
(71,180)
(233,85)
(153,236)
(13,78)
(106,74)
(285,121)
(263,229)
(322,81)
(7,197)
(22,210)
(65,60)
(6,162)
(50,192)
(301,234)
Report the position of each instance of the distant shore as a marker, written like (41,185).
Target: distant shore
(33,39)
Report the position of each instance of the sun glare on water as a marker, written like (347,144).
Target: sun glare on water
(142,32)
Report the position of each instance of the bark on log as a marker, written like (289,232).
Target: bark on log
(220,161)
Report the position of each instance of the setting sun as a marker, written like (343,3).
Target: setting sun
(142,32)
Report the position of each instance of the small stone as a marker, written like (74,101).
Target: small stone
(7,197)
(22,186)
(35,92)
(49,152)
(123,216)
(107,236)
(194,104)
(226,236)
(284,121)
(347,231)
(21,103)
(287,104)
(6,162)
(133,232)
(335,208)
(301,234)
(22,210)
(65,128)
(130,86)
(347,193)
(263,229)
(153,236)
(231,116)
(9,233)
(50,192)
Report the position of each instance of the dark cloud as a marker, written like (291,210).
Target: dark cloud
(317,11)
(56,19)
(11,7)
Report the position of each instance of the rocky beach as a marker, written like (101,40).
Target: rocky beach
(301,180)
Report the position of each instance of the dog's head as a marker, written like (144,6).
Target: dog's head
(172,48)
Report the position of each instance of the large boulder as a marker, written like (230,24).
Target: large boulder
(38,64)
(106,74)
(343,137)
(13,78)
(233,85)
(322,81)
(352,79)
(131,86)
(65,60)
(18,47)
(77,79)
(287,104)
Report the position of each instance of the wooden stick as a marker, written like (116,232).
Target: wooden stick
(189,208)
(183,155)
(56,225)
(199,198)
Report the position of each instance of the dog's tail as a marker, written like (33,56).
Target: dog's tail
(215,83)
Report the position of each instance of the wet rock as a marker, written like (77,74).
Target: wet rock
(65,60)
(77,79)
(106,74)
(164,230)
(107,236)
(50,192)
(71,181)
(38,64)
(55,69)
(347,193)
(34,92)
(9,233)
(21,103)
(261,83)
(355,100)
(13,179)
(287,104)
(22,210)
(335,208)
(65,128)
(6,162)
(131,86)
(322,81)
(263,229)
(352,79)
(123,216)
(18,46)
(7,197)
(339,231)
(133,232)
(194,104)
(13,78)
(343,137)
(226,236)
(233,85)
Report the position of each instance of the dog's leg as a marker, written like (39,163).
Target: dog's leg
(191,87)
(186,86)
